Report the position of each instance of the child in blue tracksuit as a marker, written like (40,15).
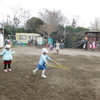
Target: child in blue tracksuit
(42,62)
(7,57)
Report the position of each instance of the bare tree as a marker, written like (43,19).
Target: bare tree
(52,19)
(20,16)
(96,24)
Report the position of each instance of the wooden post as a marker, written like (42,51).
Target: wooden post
(99,43)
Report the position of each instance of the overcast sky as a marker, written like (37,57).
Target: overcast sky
(85,11)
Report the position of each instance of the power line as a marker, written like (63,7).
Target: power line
(5,5)
(3,14)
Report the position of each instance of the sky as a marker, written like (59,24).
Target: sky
(83,11)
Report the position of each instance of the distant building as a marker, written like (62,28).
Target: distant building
(24,37)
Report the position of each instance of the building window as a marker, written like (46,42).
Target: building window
(22,37)
(31,37)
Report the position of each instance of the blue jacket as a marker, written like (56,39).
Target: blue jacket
(43,60)
(7,54)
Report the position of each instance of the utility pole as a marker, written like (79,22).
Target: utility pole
(64,33)
(2,32)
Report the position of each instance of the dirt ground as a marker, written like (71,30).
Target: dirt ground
(82,82)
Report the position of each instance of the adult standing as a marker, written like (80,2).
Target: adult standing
(57,46)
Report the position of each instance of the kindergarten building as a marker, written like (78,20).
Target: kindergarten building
(24,37)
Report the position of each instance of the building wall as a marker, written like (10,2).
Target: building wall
(24,37)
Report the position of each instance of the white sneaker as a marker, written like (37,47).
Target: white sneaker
(9,70)
(5,70)
(34,72)
(43,76)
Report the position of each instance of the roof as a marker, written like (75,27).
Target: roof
(29,34)
(32,34)
(92,32)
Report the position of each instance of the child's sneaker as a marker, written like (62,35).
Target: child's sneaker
(43,76)
(9,70)
(5,70)
(34,72)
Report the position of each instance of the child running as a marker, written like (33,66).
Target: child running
(42,62)
(7,57)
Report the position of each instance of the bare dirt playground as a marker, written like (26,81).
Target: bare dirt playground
(82,82)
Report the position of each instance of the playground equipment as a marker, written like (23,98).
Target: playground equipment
(79,44)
